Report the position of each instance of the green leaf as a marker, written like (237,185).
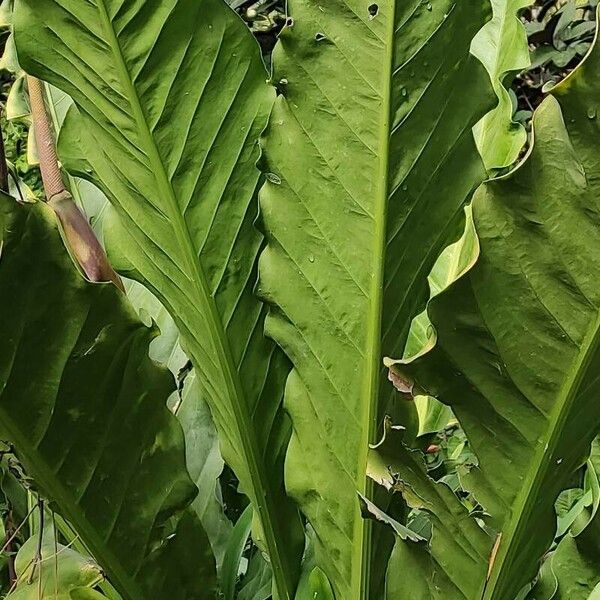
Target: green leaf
(503,49)
(433,415)
(204,464)
(60,573)
(233,555)
(516,345)
(85,409)
(572,569)
(459,547)
(318,587)
(73,541)
(172,99)
(369,158)
(314,584)
(256,584)
(454,260)
(203,459)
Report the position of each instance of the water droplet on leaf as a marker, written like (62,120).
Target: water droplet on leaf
(273,178)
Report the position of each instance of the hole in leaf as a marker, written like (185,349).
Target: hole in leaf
(319,37)
(289,22)
(373,10)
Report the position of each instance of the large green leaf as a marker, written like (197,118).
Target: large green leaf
(86,410)
(369,160)
(203,459)
(516,346)
(172,100)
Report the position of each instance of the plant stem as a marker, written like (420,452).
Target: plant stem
(37,559)
(12,574)
(80,236)
(3,165)
(44,138)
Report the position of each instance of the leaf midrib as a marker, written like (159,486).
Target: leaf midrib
(374,333)
(220,341)
(526,500)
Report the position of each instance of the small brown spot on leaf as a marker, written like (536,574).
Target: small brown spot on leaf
(402,383)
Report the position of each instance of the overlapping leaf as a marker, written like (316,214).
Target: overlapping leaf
(458,557)
(572,569)
(502,47)
(59,573)
(172,100)
(516,347)
(204,461)
(369,160)
(86,410)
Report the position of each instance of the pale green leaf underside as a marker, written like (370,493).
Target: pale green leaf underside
(451,264)
(502,48)
(370,158)
(172,99)
(64,574)
(517,338)
(86,410)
